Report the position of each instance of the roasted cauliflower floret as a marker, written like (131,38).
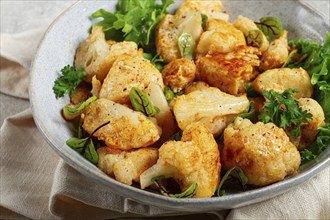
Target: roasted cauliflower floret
(167,34)
(171,27)
(129,71)
(219,37)
(285,78)
(229,71)
(276,54)
(198,85)
(263,151)
(209,8)
(96,56)
(179,73)
(127,129)
(209,107)
(126,166)
(245,24)
(310,130)
(194,159)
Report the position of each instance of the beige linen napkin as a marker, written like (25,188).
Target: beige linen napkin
(36,184)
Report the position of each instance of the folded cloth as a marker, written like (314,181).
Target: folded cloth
(17,52)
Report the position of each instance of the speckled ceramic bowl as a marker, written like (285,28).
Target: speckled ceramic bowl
(57,50)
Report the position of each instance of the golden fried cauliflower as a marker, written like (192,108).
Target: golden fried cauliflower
(229,71)
(209,107)
(171,27)
(179,73)
(245,24)
(210,8)
(126,166)
(167,35)
(127,128)
(129,71)
(194,159)
(198,85)
(219,37)
(96,56)
(165,118)
(310,130)
(276,54)
(263,151)
(285,78)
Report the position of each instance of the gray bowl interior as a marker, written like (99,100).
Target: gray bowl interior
(57,50)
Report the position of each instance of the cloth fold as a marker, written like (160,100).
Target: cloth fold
(17,52)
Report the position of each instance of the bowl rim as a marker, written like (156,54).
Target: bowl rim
(190,204)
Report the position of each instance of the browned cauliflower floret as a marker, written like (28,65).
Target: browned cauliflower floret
(210,107)
(210,8)
(126,166)
(167,35)
(172,26)
(285,78)
(263,151)
(129,71)
(229,71)
(96,56)
(276,54)
(179,73)
(219,37)
(198,85)
(194,159)
(245,24)
(127,128)
(310,130)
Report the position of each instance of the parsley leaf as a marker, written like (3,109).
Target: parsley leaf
(134,20)
(321,142)
(69,80)
(315,59)
(283,110)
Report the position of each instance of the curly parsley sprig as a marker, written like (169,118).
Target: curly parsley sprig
(69,80)
(284,111)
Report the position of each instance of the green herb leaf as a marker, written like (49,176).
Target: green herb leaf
(85,146)
(77,144)
(156,60)
(141,102)
(234,174)
(71,112)
(315,59)
(69,80)
(186,45)
(90,153)
(134,20)
(249,113)
(321,142)
(204,20)
(156,178)
(254,38)
(169,94)
(177,136)
(283,110)
(250,91)
(189,192)
(270,26)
